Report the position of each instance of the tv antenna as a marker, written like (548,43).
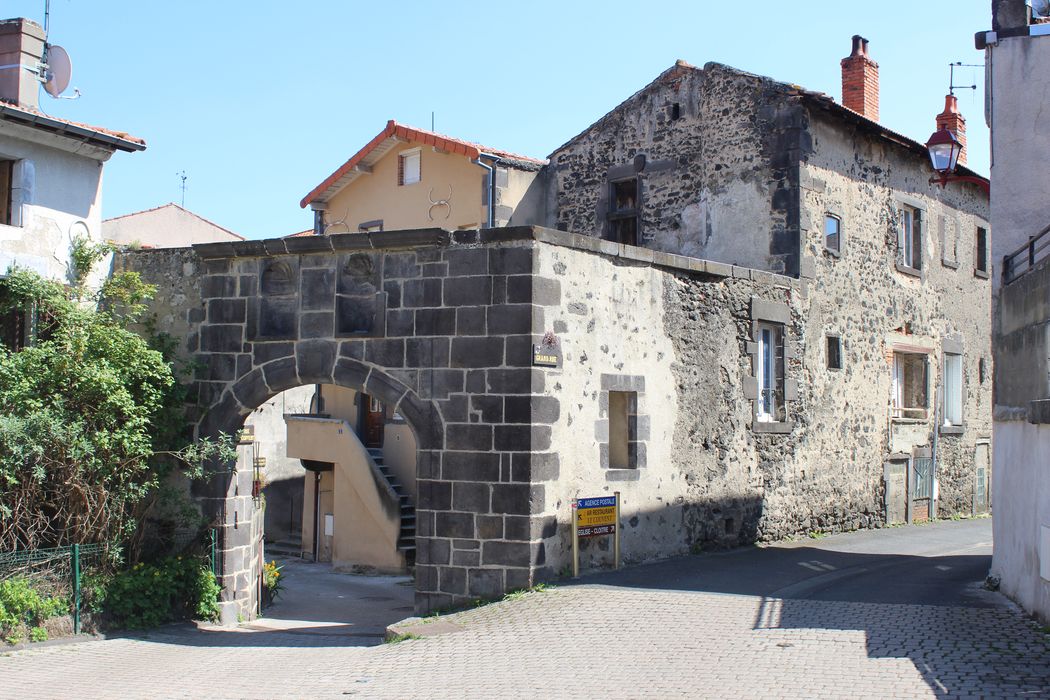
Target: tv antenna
(182,186)
(56,68)
(951,76)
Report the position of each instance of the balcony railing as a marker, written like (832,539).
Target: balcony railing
(1024,258)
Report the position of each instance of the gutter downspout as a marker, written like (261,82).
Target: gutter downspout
(492,184)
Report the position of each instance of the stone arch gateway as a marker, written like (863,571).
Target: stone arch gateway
(438,325)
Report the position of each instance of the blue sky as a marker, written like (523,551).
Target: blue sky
(259,101)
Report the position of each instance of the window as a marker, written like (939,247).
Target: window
(770,373)
(623,434)
(408,167)
(981,370)
(16,325)
(371,226)
(980,262)
(623,212)
(953,389)
(910,396)
(6,171)
(832,233)
(676,111)
(834,352)
(909,240)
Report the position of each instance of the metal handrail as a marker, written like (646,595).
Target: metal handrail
(1031,252)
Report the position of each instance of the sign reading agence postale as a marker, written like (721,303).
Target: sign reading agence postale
(596,516)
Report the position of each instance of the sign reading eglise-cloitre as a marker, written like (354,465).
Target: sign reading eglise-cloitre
(594,517)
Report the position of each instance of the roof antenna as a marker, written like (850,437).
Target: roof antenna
(951,76)
(432,120)
(182,186)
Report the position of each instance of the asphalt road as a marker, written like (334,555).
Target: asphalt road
(943,563)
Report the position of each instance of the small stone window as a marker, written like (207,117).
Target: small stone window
(624,212)
(622,430)
(833,233)
(953,390)
(623,410)
(834,352)
(768,386)
(408,167)
(676,112)
(981,370)
(910,386)
(769,371)
(909,240)
(980,260)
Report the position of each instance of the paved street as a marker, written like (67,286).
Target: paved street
(894,613)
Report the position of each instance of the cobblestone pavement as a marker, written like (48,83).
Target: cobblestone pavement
(583,641)
(586,641)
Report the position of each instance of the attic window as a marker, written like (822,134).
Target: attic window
(623,212)
(408,167)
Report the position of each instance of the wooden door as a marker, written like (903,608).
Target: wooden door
(373,416)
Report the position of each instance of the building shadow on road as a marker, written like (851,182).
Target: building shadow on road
(930,610)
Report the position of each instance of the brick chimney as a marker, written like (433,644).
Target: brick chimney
(21,47)
(952,120)
(860,80)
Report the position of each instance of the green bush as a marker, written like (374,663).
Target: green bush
(176,588)
(22,606)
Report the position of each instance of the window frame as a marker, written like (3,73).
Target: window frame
(770,371)
(981,260)
(910,239)
(7,192)
(837,249)
(617,215)
(898,410)
(402,170)
(838,351)
(952,375)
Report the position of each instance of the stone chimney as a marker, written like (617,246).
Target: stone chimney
(21,48)
(952,120)
(860,80)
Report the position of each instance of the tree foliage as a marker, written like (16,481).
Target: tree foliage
(87,414)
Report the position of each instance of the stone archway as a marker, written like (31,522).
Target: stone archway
(440,327)
(229,495)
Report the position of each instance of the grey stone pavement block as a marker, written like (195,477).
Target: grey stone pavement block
(580,641)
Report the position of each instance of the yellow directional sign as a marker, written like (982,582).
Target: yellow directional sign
(595,517)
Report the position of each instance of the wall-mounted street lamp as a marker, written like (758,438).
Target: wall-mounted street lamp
(944,151)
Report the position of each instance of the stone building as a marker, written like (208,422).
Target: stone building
(1016,49)
(765,322)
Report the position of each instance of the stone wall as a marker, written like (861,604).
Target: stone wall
(715,154)
(438,328)
(860,294)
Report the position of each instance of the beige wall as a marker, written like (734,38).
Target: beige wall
(366,523)
(378,196)
(169,226)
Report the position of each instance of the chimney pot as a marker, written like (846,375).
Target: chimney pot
(860,80)
(21,48)
(952,120)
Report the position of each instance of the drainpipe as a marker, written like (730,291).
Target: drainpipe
(317,510)
(492,184)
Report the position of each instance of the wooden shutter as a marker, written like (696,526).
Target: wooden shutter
(5,191)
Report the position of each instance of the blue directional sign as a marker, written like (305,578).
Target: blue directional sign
(600,502)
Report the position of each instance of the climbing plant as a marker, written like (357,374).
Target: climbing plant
(90,414)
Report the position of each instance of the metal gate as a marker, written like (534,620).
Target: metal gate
(921,488)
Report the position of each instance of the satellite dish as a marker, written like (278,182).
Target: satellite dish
(59,71)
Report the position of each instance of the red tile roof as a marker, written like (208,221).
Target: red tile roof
(307,232)
(34,117)
(429,138)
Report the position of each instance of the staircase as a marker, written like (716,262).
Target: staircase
(406,538)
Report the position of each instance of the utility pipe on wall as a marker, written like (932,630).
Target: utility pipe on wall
(492,184)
